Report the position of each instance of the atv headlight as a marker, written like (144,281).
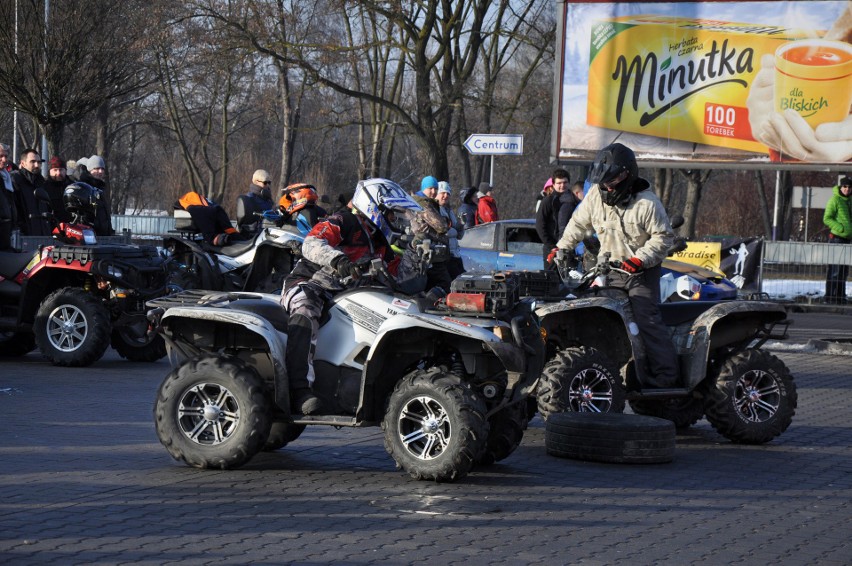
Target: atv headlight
(113,271)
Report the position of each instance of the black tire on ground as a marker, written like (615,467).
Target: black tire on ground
(683,412)
(281,434)
(752,399)
(14,344)
(610,437)
(138,349)
(579,380)
(212,412)
(72,327)
(435,426)
(506,430)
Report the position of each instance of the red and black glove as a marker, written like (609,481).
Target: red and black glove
(552,255)
(632,265)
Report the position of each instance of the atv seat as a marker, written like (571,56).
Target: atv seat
(231,250)
(275,314)
(11,263)
(684,311)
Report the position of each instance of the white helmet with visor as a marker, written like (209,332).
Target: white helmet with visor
(386,205)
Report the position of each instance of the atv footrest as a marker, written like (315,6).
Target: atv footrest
(657,393)
(333,420)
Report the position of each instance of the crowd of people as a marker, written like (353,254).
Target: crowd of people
(32,205)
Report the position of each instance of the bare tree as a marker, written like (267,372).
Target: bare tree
(695,179)
(59,72)
(206,87)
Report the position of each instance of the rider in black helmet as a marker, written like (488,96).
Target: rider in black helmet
(632,225)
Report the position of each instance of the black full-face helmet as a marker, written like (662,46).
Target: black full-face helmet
(81,200)
(614,171)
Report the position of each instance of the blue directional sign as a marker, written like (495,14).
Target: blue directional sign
(495,144)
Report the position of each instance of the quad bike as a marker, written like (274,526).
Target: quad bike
(74,299)
(597,360)
(259,263)
(448,386)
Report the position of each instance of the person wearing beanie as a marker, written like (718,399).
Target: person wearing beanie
(258,199)
(425,197)
(96,166)
(455,265)
(92,171)
(57,180)
(838,219)
(486,207)
(428,187)
(467,209)
(548,188)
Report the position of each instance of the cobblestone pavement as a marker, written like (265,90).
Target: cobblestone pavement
(83,480)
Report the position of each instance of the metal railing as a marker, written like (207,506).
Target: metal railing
(797,270)
(143,225)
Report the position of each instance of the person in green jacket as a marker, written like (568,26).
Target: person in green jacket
(838,218)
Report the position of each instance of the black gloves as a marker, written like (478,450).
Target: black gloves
(345,268)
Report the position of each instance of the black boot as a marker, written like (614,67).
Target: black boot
(304,402)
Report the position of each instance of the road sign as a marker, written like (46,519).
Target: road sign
(495,144)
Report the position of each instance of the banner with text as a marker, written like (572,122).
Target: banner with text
(755,83)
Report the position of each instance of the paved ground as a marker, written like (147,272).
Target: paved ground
(83,480)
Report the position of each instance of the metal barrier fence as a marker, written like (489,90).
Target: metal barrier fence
(796,271)
(143,225)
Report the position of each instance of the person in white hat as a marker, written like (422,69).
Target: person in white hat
(257,200)
(455,265)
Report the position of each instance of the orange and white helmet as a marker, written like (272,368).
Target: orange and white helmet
(297,196)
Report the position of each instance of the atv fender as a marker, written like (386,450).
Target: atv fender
(724,324)
(602,322)
(209,326)
(511,356)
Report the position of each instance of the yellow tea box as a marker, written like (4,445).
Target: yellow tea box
(679,78)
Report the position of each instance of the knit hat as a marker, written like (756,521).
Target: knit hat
(846,182)
(95,162)
(547,184)
(428,182)
(56,163)
(444,187)
(84,161)
(260,176)
(484,187)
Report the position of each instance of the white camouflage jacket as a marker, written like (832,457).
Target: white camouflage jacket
(640,229)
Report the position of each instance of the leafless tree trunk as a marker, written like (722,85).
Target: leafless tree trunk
(695,180)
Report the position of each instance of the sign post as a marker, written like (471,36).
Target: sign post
(494,144)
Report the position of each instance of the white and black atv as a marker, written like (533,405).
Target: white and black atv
(259,263)
(596,360)
(449,387)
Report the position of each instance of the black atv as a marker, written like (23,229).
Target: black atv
(73,300)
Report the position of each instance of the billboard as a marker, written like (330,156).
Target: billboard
(753,84)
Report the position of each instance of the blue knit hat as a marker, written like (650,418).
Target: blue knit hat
(429,182)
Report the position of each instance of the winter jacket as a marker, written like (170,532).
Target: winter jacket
(640,228)
(554,207)
(103,220)
(8,211)
(455,232)
(838,214)
(30,207)
(486,210)
(344,233)
(247,205)
(55,190)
